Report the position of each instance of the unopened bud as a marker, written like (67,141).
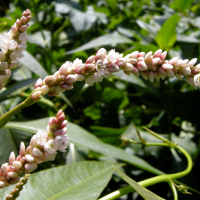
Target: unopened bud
(29,167)
(113,67)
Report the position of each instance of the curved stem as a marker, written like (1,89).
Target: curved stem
(154,180)
(4,119)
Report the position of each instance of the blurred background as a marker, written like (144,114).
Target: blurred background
(64,30)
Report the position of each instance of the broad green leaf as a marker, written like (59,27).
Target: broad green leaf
(181,5)
(37,38)
(104,40)
(78,181)
(146,194)
(166,36)
(81,137)
(31,63)
(7,142)
(21,73)
(17,88)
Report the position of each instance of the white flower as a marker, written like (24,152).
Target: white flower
(61,142)
(77,62)
(197,80)
(41,137)
(112,56)
(50,147)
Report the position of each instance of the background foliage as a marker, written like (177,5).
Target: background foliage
(64,30)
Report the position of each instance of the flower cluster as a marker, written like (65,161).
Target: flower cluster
(13,43)
(43,147)
(150,66)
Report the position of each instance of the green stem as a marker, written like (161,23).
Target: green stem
(154,180)
(4,119)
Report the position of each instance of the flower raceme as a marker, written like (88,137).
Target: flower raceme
(43,147)
(150,66)
(13,43)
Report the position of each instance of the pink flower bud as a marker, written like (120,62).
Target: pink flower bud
(161,71)
(151,76)
(29,167)
(36,152)
(195,81)
(44,89)
(148,55)
(132,61)
(89,68)
(4,169)
(11,158)
(29,158)
(66,86)
(135,71)
(49,80)
(113,67)
(173,60)
(79,77)
(90,60)
(63,124)
(128,67)
(167,66)
(36,95)
(38,83)
(33,141)
(141,66)
(61,118)
(17,165)
(163,55)
(100,56)
(22,20)
(3,66)
(2,184)
(156,75)
(50,147)
(23,28)
(192,62)
(70,79)
(170,73)
(22,149)
(12,174)
(141,54)
(2,56)
(61,131)
(157,53)
(145,75)
(178,76)
(186,70)
(155,61)
(133,54)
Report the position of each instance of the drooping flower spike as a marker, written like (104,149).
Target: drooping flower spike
(13,43)
(150,67)
(43,147)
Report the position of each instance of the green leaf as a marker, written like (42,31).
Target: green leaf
(104,40)
(82,180)
(166,36)
(81,137)
(181,5)
(146,194)
(31,63)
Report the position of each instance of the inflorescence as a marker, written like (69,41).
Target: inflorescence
(150,66)
(43,147)
(13,43)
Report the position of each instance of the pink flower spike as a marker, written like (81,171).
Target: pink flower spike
(61,131)
(148,55)
(36,152)
(173,60)
(29,158)
(60,112)
(128,67)
(70,79)
(155,61)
